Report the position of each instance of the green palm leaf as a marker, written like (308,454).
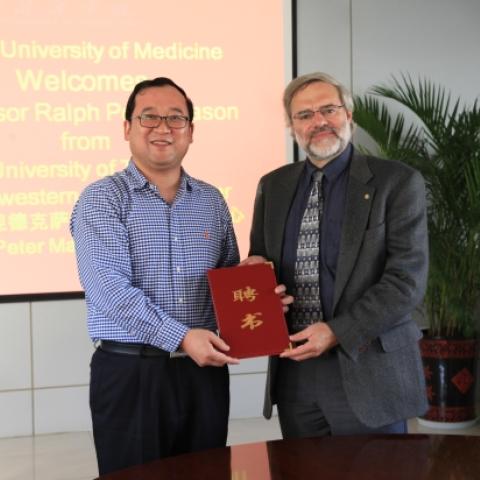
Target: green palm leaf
(443,143)
(389,133)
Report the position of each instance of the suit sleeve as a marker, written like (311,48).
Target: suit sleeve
(373,308)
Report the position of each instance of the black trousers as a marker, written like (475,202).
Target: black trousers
(145,408)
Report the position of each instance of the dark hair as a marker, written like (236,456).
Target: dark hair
(156,82)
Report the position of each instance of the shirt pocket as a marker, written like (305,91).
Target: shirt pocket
(204,240)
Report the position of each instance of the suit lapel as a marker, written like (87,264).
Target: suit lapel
(359,198)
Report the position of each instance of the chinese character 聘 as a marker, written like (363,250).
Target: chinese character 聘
(248,293)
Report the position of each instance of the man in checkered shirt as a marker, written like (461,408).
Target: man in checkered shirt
(145,238)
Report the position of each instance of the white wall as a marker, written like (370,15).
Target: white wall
(362,42)
(44,370)
(45,349)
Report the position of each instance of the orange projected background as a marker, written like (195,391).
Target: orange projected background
(67,69)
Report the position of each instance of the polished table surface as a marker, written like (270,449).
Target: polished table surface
(370,457)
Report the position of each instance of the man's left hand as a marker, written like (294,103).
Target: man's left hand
(318,338)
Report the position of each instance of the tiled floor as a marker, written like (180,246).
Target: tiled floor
(71,456)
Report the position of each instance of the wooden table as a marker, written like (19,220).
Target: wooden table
(370,457)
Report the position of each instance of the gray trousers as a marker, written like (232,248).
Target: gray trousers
(311,400)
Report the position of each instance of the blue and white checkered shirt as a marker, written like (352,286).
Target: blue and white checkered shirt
(143,262)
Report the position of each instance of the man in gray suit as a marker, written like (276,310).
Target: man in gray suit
(355,367)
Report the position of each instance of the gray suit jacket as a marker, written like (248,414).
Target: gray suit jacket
(381,276)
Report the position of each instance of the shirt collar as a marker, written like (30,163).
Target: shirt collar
(137,181)
(333,168)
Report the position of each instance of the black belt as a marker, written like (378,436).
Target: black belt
(138,349)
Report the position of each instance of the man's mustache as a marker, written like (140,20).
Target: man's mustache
(323,129)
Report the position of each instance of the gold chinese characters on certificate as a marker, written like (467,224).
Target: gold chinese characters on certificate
(249,313)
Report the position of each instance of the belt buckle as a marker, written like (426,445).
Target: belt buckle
(178,354)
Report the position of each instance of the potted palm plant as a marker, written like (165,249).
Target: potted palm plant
(441,139)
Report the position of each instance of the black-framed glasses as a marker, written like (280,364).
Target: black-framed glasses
(149,120)
(328,112)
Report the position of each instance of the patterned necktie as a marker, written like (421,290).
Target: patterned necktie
(307,307)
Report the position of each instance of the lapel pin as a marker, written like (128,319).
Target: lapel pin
(366,196)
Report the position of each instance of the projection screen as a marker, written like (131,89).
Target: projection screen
(67,69)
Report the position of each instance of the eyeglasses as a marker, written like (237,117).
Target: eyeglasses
(328,112)
(149,120)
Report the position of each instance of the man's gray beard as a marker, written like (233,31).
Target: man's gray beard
(316,152)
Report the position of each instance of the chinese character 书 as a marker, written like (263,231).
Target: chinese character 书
(251,321)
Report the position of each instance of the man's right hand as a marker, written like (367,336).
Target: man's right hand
(206,349)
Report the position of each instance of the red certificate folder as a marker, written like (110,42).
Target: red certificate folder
(249,313)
